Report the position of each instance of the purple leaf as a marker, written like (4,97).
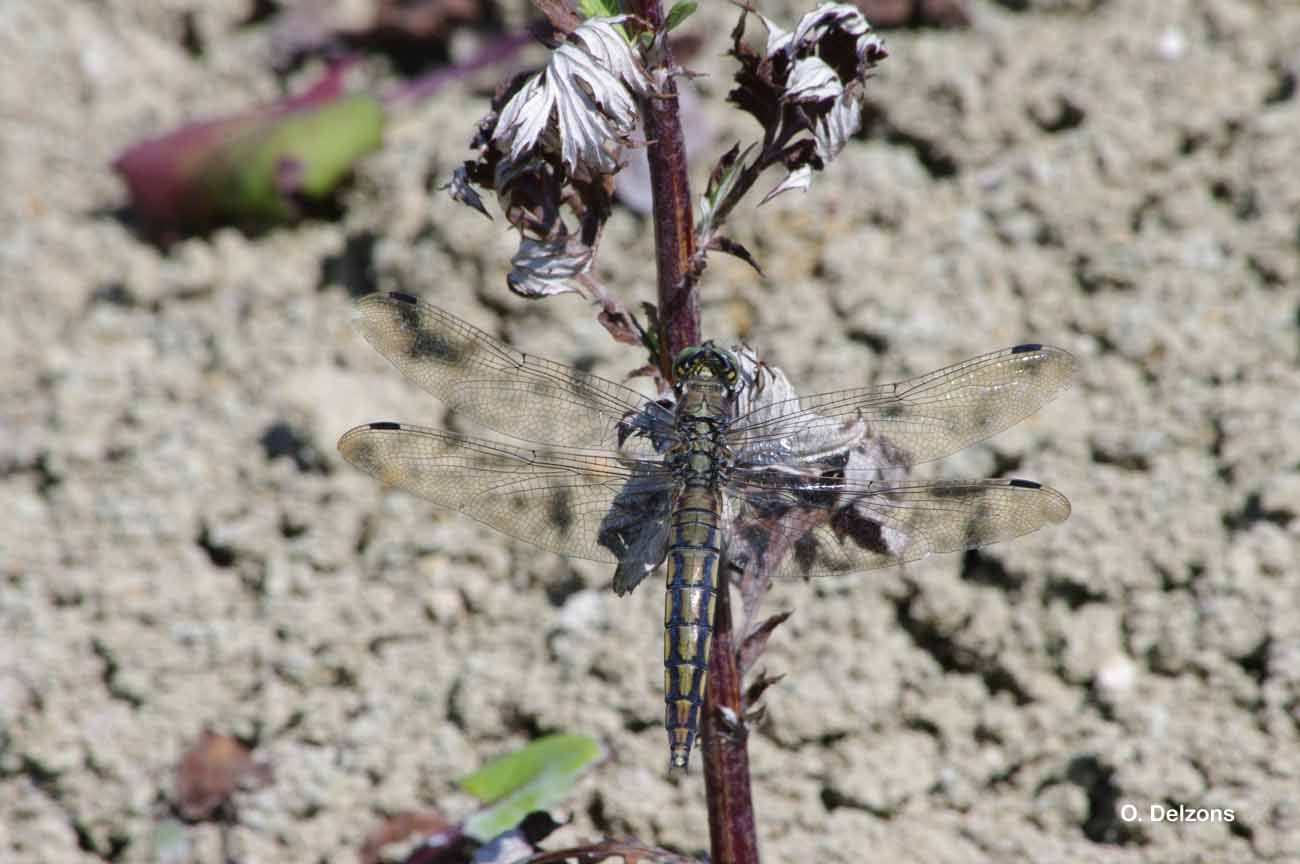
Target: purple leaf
(756,641)
(731,247)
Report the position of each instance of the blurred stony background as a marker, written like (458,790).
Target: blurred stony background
(182,548)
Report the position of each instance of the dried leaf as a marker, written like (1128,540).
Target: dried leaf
(560,14)
(211,771)
(550,152)
(531,195)
(402,826)
(620,323)
(755,691)
(756,641)
(798,179)
(832,131)
(545,268)
(590,85)
(823,29)
(812,80)
(461,190)
(731,247)
(807,81)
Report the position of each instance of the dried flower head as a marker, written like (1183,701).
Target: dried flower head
(584,100)
(806,87)
(549,150)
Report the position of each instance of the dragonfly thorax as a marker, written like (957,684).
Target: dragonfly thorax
(701,455)
(706,401)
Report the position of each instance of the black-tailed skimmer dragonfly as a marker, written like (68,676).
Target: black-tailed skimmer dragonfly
(731,469)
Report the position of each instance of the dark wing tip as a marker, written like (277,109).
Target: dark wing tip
(1026,348)
(384,425)
(1024,484)
(402,297)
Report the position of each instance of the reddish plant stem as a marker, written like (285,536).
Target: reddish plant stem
(733,837)
(732,834)
(679,307)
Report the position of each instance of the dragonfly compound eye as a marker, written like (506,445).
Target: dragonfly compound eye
(707,359)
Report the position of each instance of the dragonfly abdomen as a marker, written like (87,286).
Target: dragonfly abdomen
(693,554)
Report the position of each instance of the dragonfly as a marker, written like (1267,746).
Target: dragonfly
(731,468)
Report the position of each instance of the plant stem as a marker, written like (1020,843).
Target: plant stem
(733,838)
(679,307)
(732,834)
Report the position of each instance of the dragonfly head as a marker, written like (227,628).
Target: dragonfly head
(707,361)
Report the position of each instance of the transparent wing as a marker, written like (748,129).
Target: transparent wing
(580,504)
(516,394)
(918,420)
(827,526)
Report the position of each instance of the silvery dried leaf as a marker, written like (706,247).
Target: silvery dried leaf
(766,393)
(589,86)
(805,89)
(836,34)
(820,23)
(777,36)
(544,268)
(812,80)
(832,131)
(800,179)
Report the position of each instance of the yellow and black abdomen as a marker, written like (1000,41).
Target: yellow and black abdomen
(694,554)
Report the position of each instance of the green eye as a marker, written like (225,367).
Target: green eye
(698,360)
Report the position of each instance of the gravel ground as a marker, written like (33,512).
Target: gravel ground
(182,547)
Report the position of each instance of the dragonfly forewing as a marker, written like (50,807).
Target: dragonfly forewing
(563,501)
(919,420)
(515,394)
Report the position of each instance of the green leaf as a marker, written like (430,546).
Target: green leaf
(722,179)
(604,9)
(599,8)
(536,777)
(314,148)
(681,10)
